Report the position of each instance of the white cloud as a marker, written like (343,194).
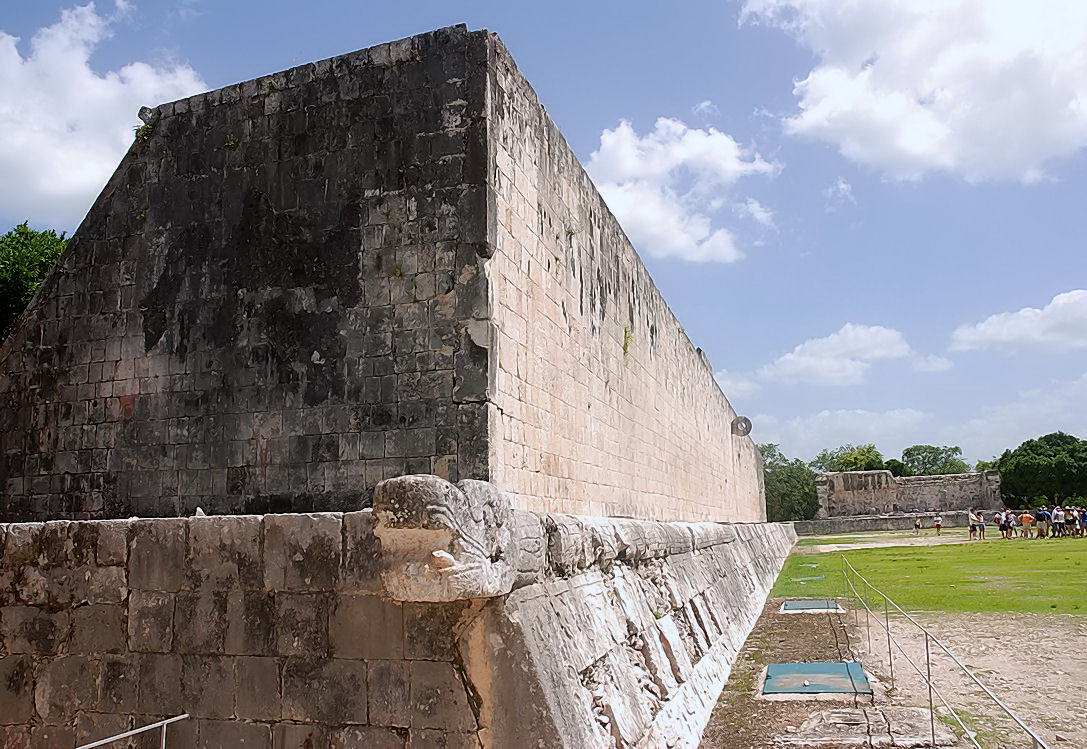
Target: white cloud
(982,90)
(1058,406)
(838,195)
(1061,324)
(705,109)
(931,363)
(806,435)
(844,357)
(736,385)
(665,186)
(65,126)
(757,212)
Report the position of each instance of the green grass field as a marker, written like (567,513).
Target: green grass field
(997,575)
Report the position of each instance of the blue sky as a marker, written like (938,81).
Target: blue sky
(869,216)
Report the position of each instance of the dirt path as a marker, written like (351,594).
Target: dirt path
(1035,663)
(877,543)
(740,721)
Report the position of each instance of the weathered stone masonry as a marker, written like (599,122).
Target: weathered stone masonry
(879,492)
(442,618)
(295,293)
(380,264)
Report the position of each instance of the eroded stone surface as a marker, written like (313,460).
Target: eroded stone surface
(609,632)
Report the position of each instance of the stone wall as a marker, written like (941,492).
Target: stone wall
(266,630)
(265,309)
(602,399)
(879,492)
(866,523)
(442,618)
(385,263)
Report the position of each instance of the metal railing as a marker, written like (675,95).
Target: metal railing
(161,724)
(852,576)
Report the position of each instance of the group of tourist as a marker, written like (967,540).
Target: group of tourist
(1042,522)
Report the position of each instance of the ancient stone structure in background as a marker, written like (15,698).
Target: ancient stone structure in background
(381,264)
(378,279)
(880,492)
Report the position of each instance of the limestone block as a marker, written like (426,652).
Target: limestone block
(16,689)
(222,733)
(443,542)
(112,547)
(251,622)
(200,622)
(156,558)
(363,626)
(330,691)
(302,552)
(438,699)
(367,737)
(33,630)
(361,569)
(301,624)
(160,684)
(64,686)
(299,736)
(389,684)
(567,544)
(531,541)
(257,688)
(117,684)
(224,552)
(98,629)
(207,686)
(150,621)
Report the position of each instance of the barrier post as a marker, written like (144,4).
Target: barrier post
(928,668)
(887,626)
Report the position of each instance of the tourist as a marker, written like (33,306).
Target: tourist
(938,523)
(973,522)
(1041,520)
(917,525)
(1026,520)
(981,525)
(1057,520)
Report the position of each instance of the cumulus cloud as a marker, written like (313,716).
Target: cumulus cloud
(666,185)
(1061,324)
(1059,406)
(981,90)
(65,126)
(807,434)
(844,357)
(736,385)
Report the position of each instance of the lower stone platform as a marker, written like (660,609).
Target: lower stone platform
(865,523)
(441,618)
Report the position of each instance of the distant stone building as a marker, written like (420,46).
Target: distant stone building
(880,492)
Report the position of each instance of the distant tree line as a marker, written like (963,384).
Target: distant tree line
(1044,471)
(26,257)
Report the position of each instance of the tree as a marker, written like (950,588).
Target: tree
(26,256)
(1049,469)
(790,486)
(930,460)
(849,458)
(897,467)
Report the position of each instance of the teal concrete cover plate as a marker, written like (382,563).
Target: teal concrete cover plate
(820,677)
(804,604)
